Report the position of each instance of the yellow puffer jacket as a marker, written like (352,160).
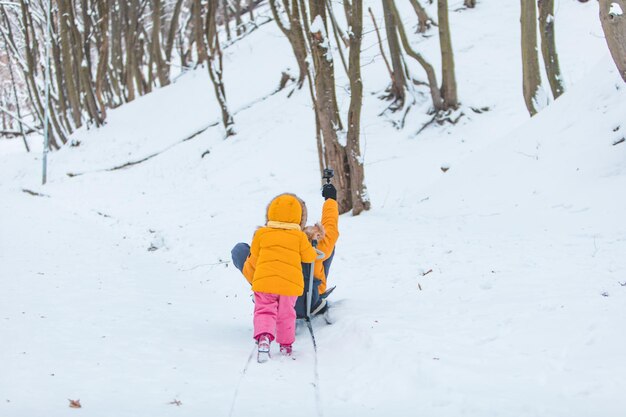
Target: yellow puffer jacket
(279,248)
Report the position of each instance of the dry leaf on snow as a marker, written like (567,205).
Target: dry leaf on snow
(74,403)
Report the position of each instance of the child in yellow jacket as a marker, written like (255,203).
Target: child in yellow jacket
(278,250)
(326,233)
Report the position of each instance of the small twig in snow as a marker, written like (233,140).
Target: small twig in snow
(221,262)
(33,193)
(595,245)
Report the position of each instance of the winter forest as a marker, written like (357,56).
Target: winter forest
(462,164)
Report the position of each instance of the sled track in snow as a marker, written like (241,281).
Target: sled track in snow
(243,374)
(315,383)
(316,375)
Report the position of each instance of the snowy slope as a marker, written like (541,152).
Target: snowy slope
(116,287)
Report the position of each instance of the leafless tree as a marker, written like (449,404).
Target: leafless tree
(216,68)
(292,27)
(435,92)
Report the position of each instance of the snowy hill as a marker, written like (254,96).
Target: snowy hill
(492,289)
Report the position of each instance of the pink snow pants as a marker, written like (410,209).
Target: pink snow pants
(275,314)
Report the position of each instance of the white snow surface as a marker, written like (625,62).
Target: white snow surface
(318,25)
(497,288)
(616,10)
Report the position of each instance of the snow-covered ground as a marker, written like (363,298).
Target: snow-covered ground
(116,287)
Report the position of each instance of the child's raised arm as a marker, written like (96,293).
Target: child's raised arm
(330,220)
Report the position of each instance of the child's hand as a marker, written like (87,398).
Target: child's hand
(329,191)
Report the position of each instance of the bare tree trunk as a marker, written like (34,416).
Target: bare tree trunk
(226,14)
(435,93)
(32,58)
(614,27)
(57,71)
(380,45)
(360,197)
(238,22)
(103,56)
(530,60)
(251,9)
(161,70)
(424,22)
(130,16)
(117,70)
(548,47)
(67,58)
(82,66)
(292,29)
(197,31)
(398,80)
(340,37)
(171,34)
(17,100)
(448,83)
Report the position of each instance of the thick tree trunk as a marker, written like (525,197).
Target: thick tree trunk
(548,47)
(360,197)
(448,78)
(398,80)
(530,61)
(328,112)
(613,22)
